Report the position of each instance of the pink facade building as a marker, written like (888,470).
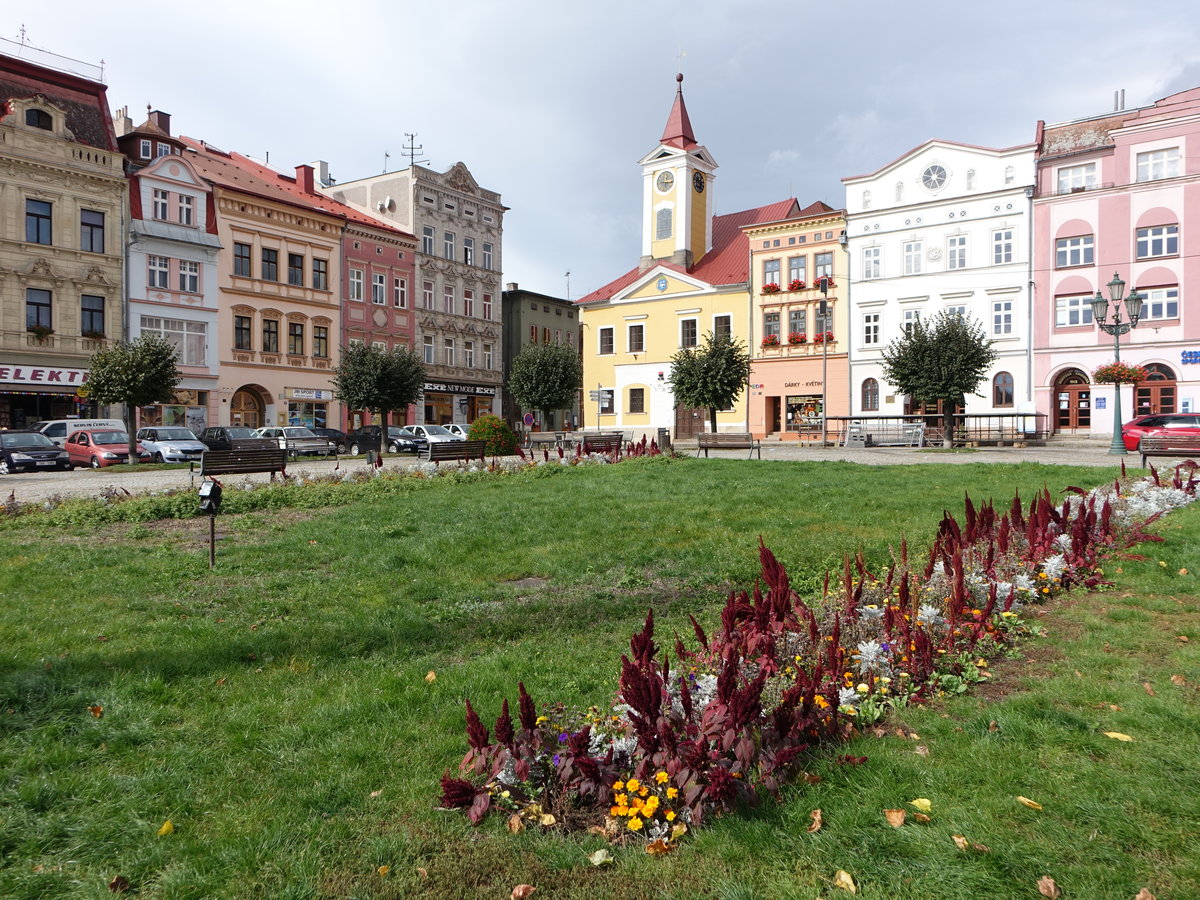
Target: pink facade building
(1114,195)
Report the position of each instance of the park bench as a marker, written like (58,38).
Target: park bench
(601,443)
(242,461)
(1174,445)
(546,439)
(440,450)
(729,440)
(859,435)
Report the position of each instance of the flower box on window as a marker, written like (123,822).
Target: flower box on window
(797,284)
(771,287)
(40,332)
(797,337)
(823,337)
(771,340)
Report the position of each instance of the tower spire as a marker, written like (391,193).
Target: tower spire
(678,132)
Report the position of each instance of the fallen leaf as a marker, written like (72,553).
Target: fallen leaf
(921,750)
(597,830)
(120,885)
(921,817)
(220,681)
(383,870)
(659,847)
(1147,688)
(377,793)
(678,831)
(600,858)
(1047,888)
(1183,638)
(1117,736)
(815,815)
(1178,680)
(895,817)
(992,726)
(922,804)
(168,827)
(960,842)
(842,879)
(431,676)
(1114,707)
(1144,894)
(914,735)
(96,711)
(1030,803)
(102,638)
(521,891)
(1078,674)
(515,823)
(546,820)
(811,779)
(1183,571)
(980,848)
(424,873)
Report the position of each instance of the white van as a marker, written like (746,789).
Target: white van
(58,430)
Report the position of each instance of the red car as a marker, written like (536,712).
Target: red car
(101,448)
(1161,423)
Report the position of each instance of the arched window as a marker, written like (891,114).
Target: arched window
(1158,372)
(870,395)
(1002,389)
(37,118)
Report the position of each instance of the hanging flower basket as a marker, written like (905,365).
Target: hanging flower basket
(771,287)
(1119,373)
(796,284)
(771,340)
(797,337)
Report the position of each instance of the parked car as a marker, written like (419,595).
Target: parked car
(297,440)
(462,430)
(1160,423)
(58,429)
(401,439)
(436,434)
(170,444)
(28,451)
(338,437)
(101,448)
(231,437)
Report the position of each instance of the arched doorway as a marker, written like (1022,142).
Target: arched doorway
(246,409)
(1072,401)
(1156,395)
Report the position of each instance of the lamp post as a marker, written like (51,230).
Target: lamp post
(823,314)
(1100,311)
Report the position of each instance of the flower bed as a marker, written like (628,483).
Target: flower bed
(734,715)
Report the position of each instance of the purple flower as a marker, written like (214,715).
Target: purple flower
(554,759)
(562,738)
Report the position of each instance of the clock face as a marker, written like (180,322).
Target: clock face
(934,177)
(665,181)
(698,182)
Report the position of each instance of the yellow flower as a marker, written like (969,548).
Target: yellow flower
(672,793)
(662,777)
(643,791)
(650,806)
(621,810)
(821,702)
(669,815)
(635,824)
(620,799)
(618,785)
(632,785)
(861,688)
(615,811)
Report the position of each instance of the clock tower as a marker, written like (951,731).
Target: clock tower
(677,181)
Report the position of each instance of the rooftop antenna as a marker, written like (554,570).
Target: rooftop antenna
(412,150)
(386,157)
(568,277)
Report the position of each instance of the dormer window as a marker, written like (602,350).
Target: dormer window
(163,150)
(147,149)
(37,118)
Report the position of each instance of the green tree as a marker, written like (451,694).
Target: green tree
(370,377)
(942,360)
(546,377)
(135,373)
(710,376)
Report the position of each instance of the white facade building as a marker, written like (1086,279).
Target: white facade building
(946,226)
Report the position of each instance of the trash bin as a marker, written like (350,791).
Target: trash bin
(664,439)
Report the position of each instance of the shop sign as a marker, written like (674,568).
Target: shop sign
(1190,357)
(38,375)
(309,394)
(449,387)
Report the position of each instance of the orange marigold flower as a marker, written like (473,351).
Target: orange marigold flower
(618,785)
(615,811)
(632,785)
(662,777)
(643,791)
(635,824)
(672,793)
(621,810)
(669,815)
(621,800)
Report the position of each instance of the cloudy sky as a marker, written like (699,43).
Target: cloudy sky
(553,103)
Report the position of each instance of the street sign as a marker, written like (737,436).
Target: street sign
(593,395)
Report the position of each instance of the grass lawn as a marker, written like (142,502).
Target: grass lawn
(276,710)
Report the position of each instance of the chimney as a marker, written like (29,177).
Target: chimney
(162,120)
(511,286)
(322,170)
(304,178)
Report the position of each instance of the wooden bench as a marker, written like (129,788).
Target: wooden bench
(601,443)
(1177,445)
(730,440)
(240,462)
(453,450)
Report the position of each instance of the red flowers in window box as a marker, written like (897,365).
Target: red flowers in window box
(796,284)
(771,340)
(771,287)
(823,337)
(797,337)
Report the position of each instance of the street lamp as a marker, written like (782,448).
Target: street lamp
(1100,310)
(823,315)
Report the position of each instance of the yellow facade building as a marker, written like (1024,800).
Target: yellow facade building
(692,279)
(799,370)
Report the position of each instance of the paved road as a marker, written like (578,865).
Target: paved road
(29,487)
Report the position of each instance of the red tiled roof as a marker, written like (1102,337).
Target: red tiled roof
(728,260)
(678,132)
(238,172)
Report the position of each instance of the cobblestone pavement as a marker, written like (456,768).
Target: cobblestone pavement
(28,487)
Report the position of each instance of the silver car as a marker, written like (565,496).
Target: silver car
(170,444)
(435,434)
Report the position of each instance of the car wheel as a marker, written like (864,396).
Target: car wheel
(3,466)
(341,448)
(158,458)
(354,449)
(95,462)
(393,448)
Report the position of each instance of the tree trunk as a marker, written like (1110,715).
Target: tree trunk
(712,418)
(948,407)
(131,432)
